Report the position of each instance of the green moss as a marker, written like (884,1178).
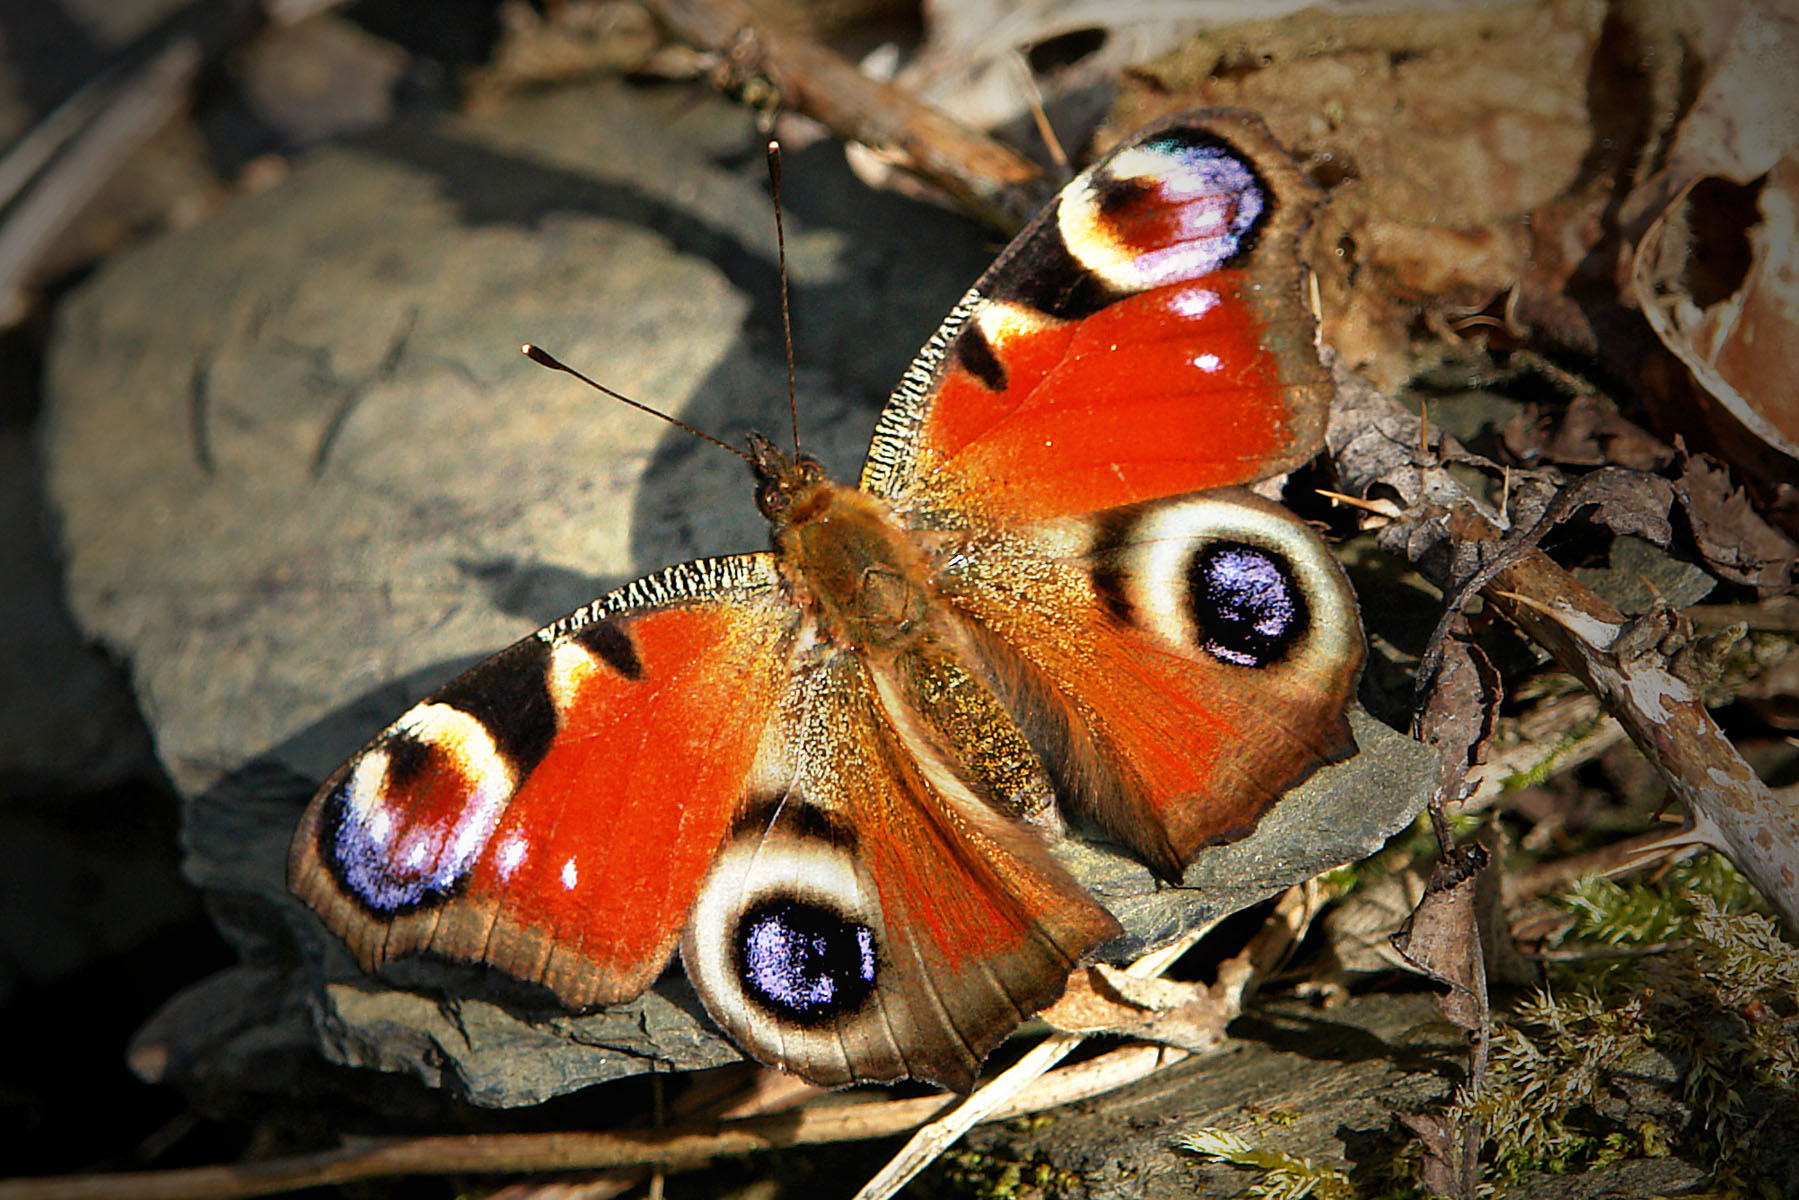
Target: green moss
(1716,1000)
(979,1176)
(1282,1176)
(1670,1027)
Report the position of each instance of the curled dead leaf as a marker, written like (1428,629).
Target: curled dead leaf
(1588,431)
(1738,346)
(1716,268)
(1442,940)
(1459,711)
(1737,543)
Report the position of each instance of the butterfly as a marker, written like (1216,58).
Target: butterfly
(831,773)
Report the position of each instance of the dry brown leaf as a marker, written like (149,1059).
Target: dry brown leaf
(1753,334)
(1438,134)
(1102,1000)
(1627,503)
(1742,120)
(1442,940)
(1735,335)
(1716,268)
(1736,542)
(1459,712)
(1588,431)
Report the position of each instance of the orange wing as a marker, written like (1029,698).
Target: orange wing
(841,828)
(1144,337)
(553,811)
(1179,664)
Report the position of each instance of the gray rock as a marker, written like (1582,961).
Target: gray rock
(1639,575)
(68,722)
(304,476)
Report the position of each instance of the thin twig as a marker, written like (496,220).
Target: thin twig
(1555,875)
(48,176)
(1619,660)
(1598,953)
(112,130)
(1238,979)
(676,1147)
(996,183)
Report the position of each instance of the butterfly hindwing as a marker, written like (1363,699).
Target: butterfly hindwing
(553,811)
(1179,663)
(871,917)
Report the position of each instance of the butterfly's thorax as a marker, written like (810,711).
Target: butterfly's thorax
(853,567)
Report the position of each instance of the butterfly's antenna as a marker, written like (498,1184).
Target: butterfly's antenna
(774,179)
(544,358)
(1033,96)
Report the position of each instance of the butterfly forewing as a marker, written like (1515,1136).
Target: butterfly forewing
(1145,336)
(553,811)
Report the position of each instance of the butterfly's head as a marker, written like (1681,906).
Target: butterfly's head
(783,481)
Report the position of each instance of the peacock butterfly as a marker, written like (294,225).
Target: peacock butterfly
(831,772)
